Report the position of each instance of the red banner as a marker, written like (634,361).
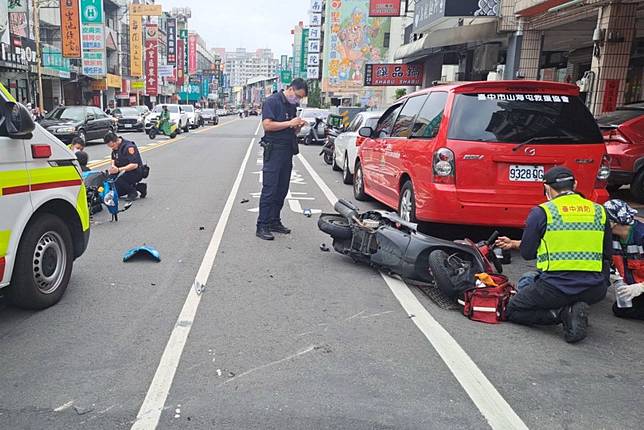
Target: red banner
(180,54)
(393,75)
(384,7)
(70,28)
(192,54)
(152,59)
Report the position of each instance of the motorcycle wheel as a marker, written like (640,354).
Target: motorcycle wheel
(328,158)
(173,135)
(308,140)
(441,272)
(152,133)
(335,226)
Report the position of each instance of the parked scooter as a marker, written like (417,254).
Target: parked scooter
(386,242)
(316,132)
(328,150)
(156,130)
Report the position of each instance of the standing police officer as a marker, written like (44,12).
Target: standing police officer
(126,162)
(281,125)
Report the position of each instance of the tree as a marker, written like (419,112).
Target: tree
(400,92)
(314,98)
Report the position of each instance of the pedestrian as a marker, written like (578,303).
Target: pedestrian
(570,237)
(281,125)
(628,256)
(127,163)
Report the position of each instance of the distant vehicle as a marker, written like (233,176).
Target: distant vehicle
(222,112)
(347,144)
(143,110)
(193,115)
(129,119)
(209,116)
(623,132)
(86,122)
(253,112)
(476,153)
(310,114)
(176,115)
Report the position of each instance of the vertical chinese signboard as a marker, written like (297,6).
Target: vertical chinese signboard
(151,59)
(93,38)
(192,54)
(70,28)
(183,35)
(136,46)
(304,52)
(171,41)
(180,55)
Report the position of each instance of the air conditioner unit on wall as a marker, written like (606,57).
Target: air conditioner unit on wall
(486,58)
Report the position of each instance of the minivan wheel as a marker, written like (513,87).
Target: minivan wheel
(637,187)
(43,264)
(358,184)
(347,177)
(407,204)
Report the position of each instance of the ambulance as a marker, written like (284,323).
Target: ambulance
(44,218)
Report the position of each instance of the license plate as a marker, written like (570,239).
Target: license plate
(526,173)
(128,125)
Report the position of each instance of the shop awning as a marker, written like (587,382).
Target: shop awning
(447,37)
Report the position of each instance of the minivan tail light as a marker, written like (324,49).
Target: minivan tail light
(444,166)
(40,151)
(603,173)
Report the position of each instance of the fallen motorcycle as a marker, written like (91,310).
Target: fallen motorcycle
(388,243)
(101,190)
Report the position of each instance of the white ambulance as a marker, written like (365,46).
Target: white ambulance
(44,218)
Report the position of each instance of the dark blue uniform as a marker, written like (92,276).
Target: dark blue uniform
(279,163)
(126,154)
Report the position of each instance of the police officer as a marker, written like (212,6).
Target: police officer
(281,125)
(127,163)
(570,237)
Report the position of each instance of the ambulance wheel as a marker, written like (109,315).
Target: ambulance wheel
(441,272)
(43,264)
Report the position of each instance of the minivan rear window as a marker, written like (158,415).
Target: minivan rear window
(521,118)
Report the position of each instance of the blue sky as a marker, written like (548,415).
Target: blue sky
(248,24)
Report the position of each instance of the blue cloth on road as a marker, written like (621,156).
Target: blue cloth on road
(142,250)
(566,282)
(276,179)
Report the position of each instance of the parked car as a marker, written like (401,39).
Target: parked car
(623,131)
(176,114)
(310,114)
(209,116)
(348,142)
(221,112)
(143,110)
(87,122)
(253,112)
(476,153)
(192,114)
(129,119)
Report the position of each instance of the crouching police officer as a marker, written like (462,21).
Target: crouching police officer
(571,240)
(281,125)
(127,163)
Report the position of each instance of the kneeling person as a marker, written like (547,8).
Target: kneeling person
(571,240)
(127,163)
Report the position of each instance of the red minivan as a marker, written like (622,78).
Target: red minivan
(476,152)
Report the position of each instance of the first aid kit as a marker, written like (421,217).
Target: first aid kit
(488,300)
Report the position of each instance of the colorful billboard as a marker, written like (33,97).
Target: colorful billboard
(352,40)
(136,46)
(384,7)
(70,28)
(396,75)
(152,59)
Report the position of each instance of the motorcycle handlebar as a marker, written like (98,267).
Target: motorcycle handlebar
(493,238)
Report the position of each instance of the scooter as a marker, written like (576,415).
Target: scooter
(316,132)
(101,190)
(388,243)
(328,150)
(156,130)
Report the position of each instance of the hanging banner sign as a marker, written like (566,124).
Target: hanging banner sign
(146,9)
(183,59)
(166,71)
(70,28)
(171,41)
(91,11)
(94,63)
(136,46)
(192,54)
(383,75)
(151,59)
(384,8)
(93,37)
(180,55)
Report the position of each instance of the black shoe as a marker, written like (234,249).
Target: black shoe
(142,189)
(264,233)
(280,228)
(575,321)
(131,197)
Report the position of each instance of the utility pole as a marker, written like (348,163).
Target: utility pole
(36,8)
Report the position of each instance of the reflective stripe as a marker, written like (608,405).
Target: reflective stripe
(82,207)
(571,256)
(634,249)
(5,236)
(17,181)
(6,94)
(617,246)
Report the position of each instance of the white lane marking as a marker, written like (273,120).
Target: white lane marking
(496,410)
(152,407)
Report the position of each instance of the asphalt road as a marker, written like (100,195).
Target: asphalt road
(283,334)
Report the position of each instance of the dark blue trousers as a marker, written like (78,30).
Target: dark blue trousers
(276,180)
(126,183)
